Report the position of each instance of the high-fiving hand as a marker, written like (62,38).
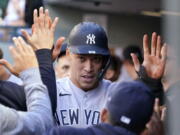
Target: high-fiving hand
(42,31)
(154,60)
(23,56)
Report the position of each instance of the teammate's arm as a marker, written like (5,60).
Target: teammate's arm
(39,116)
(153,66)
(42,40)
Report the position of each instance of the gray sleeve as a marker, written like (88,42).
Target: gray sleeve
(39,116)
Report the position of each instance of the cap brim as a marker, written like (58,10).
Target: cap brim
(88,49)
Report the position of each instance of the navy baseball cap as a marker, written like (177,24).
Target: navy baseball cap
(88,38)
(131,105)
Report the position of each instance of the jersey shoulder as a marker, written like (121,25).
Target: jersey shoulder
(106,83)
(63,85)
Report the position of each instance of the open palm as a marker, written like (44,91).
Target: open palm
(154,60)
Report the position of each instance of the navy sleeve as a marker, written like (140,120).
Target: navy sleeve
(154,84)
(48,74)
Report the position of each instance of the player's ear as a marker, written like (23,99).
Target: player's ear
(104,115)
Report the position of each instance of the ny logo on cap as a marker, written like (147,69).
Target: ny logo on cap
(90,39)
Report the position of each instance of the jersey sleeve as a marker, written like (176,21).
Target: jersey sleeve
(38,118)
(48,74)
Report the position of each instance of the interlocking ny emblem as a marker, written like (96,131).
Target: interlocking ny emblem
(90,39)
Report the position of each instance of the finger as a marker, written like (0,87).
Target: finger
(158,48)
(14,52)
(145,45)
(50,22)
(163,114)
(47,18)
(33,28)
(156,106)
(16,41)
(15,56)
(135,61)
(57,47)
(153,43)
(35,17)
(53,26)
(59,43)
(164,53)
(7,65)
(26,35)
(20,45)
(23,44)
(41,17)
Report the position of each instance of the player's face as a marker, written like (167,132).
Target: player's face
(63,66)
(85,69)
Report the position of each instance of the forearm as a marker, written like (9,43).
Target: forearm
(155,84)
(47,74)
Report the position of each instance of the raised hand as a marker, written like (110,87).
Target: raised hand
(57,48)
(23,56)
(154,60)
(43,30)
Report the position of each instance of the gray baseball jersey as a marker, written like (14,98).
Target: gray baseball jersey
(78,108)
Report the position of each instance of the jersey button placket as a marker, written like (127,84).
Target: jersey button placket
(85,101)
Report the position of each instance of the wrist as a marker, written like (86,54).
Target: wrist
(144,76)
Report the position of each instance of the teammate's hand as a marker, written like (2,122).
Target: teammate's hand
(23,56)
(155,125)
(42,31)
(154,61)
(57,48)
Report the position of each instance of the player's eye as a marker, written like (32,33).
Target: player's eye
(97,59)
(65,68)
(82,59)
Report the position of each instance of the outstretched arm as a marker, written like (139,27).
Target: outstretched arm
(153,66)
(42,40)
(38,118)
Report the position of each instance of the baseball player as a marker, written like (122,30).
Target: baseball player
(123,114)
(82,95)
(62,66)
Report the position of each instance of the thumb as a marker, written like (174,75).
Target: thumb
(8,66)
(135,62)
(26,35)
(57,47)
(156,106)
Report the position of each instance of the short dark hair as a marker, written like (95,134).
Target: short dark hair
(61,55)
(132,49)
(62,51)
(1,53)
(115,65)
